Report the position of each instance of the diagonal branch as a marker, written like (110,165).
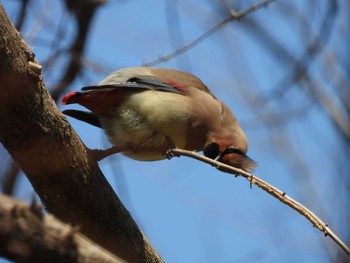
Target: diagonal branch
(270,189)
(234,16)
(27,235)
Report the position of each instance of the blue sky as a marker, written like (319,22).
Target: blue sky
(189,211)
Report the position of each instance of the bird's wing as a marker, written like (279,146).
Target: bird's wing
(101,98)
(137,84)
(179,79)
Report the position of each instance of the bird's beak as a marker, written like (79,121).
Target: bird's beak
(217,158)
(238,160)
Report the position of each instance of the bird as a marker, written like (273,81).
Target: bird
(146,111)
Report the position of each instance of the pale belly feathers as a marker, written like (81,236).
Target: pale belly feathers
(150,122)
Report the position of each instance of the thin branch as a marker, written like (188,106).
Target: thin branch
(338,116)
(22,14)
(277,49)
(233,16)
(84,12)
(10,178)
(270,189)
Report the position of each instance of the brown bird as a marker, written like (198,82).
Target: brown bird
(147,111)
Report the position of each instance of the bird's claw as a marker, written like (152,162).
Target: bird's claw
(170,154)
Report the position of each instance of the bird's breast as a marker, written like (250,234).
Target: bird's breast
(150,120)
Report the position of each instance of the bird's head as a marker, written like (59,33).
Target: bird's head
(230,155)
(228,143)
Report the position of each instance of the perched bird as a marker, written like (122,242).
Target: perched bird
(147,111)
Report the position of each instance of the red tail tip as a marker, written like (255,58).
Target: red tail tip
(66,99)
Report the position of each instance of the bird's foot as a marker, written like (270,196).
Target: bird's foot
(170,154)
(101,154)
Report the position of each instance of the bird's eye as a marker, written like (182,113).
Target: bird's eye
(232,149)
(133,79)
(212,150)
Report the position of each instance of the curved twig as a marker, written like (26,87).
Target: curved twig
(272,190)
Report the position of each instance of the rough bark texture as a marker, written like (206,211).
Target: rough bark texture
(60,168)
(26,235)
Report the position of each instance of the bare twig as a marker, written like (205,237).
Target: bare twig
(280,195)
(10,177)
(22,14)
(233,16)
(84,12)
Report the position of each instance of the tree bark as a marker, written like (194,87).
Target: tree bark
(27,235)
(61,169)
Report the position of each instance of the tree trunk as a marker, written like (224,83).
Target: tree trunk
(61,169)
